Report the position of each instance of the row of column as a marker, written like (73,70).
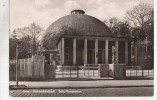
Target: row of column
(96,51)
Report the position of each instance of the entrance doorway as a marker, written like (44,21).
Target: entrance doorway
(101,52)
(90,51)
(90,56)
(101,56)
(79,52)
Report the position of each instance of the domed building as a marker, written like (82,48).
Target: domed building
(82,39)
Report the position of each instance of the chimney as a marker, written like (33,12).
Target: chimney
(77,12)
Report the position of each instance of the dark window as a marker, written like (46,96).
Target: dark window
(121,52)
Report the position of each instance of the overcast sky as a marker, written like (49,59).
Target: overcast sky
(44,12)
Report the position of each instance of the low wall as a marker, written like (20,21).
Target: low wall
(103,70)
(38,67)
(49,72)
(106,70)
(24,69)
(28,69)
(117,71)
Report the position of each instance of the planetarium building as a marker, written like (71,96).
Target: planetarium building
(82,39)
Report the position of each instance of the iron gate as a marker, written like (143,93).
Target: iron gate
(86,71)
(139,71)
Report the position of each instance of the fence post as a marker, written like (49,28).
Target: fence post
(136,70)
(88,71)
(84,69)
(130,71)
(77,70)
(62,71)
(148,70)
(70,71)
(93,69)
(142,70)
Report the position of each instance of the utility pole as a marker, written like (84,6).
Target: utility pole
(147,54)
(33,37)
(17,53)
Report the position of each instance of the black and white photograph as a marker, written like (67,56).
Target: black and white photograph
(81,48)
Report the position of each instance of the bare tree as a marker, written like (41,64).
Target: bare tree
(111,22)
(142,18)
(33,30)
(28,37)
(139,15)
(119,28)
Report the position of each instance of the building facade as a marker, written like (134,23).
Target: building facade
(82,39)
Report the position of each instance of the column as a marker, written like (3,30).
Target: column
(96,51)
(116,62)
(74,51)
(135,51)
(62,51)
(85,51)
(126,52)
(106,52)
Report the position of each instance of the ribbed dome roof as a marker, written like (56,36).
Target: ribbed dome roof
(75,25)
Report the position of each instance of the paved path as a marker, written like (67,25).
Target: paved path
(129,91)
(85,84)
